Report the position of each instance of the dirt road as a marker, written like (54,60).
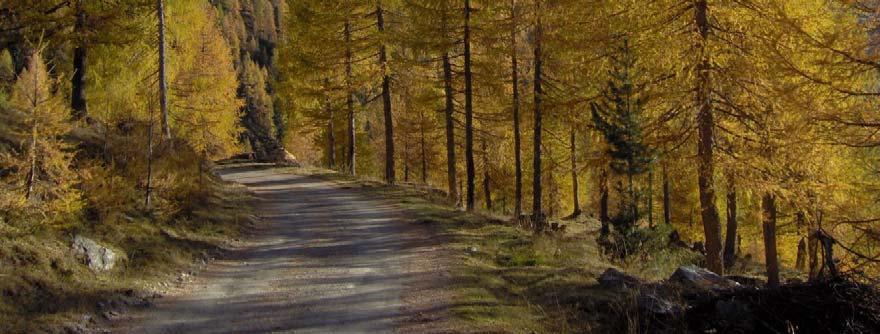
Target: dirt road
(327,260)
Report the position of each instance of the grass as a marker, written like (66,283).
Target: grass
(43,286)
(507,279)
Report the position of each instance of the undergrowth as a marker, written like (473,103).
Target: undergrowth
(43,285)
(507,279)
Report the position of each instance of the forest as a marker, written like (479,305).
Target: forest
(747,126)
(740,136)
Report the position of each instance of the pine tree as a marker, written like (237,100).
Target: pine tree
(619,116)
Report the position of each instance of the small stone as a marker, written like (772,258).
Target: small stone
(111,315)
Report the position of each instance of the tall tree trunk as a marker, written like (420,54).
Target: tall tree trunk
(768,203)
(667,206)
(731,235)
(574,175)
(163,86)
(706,127)
(349,101)
(604,218)
(801,260)
(78,79)
(486,180)
(405,161)
(813,248)
(517,140)
(331,132)
(148,198)
(650,201)
(32,169)
(422,147)
(631,192)
(537,205)
(468,109)
(451,172)
(386,100)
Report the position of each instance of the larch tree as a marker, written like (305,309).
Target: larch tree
(41,167)
(388,116)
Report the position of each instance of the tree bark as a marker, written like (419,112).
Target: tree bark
(517,140)
(731,235)
(386,100)
(486,180)
(768,203)
(468,110)
(163,86)
(667,207)
(813,250)
(604,219)
(35,101)
(574,175)
(349,101)
(537,205)
(450,128)
(148,197)
(78,79)
(405,161)
(706,138)
(423,148)
(801,260)
(331,135)
(650,199)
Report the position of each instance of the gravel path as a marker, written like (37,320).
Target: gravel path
(327,260)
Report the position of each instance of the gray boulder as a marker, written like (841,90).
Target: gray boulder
(616,279)
(653,303)
(695,279)
(97,257)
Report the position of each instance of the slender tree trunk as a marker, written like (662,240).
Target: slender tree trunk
(406,161)
(451,172)
(706,138)
(731,235)
(486,180)
(801,260)
(768,203)
(517,140)
(148,198)
(633,202)
(667,206)
(574,175)
(331,132)
(813,248)
(386,100)
(163,86)
(537,205)
(422,144)
(32,169)
(78,79)
(604,219)
(650,201)
(349,101)
(468,109)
